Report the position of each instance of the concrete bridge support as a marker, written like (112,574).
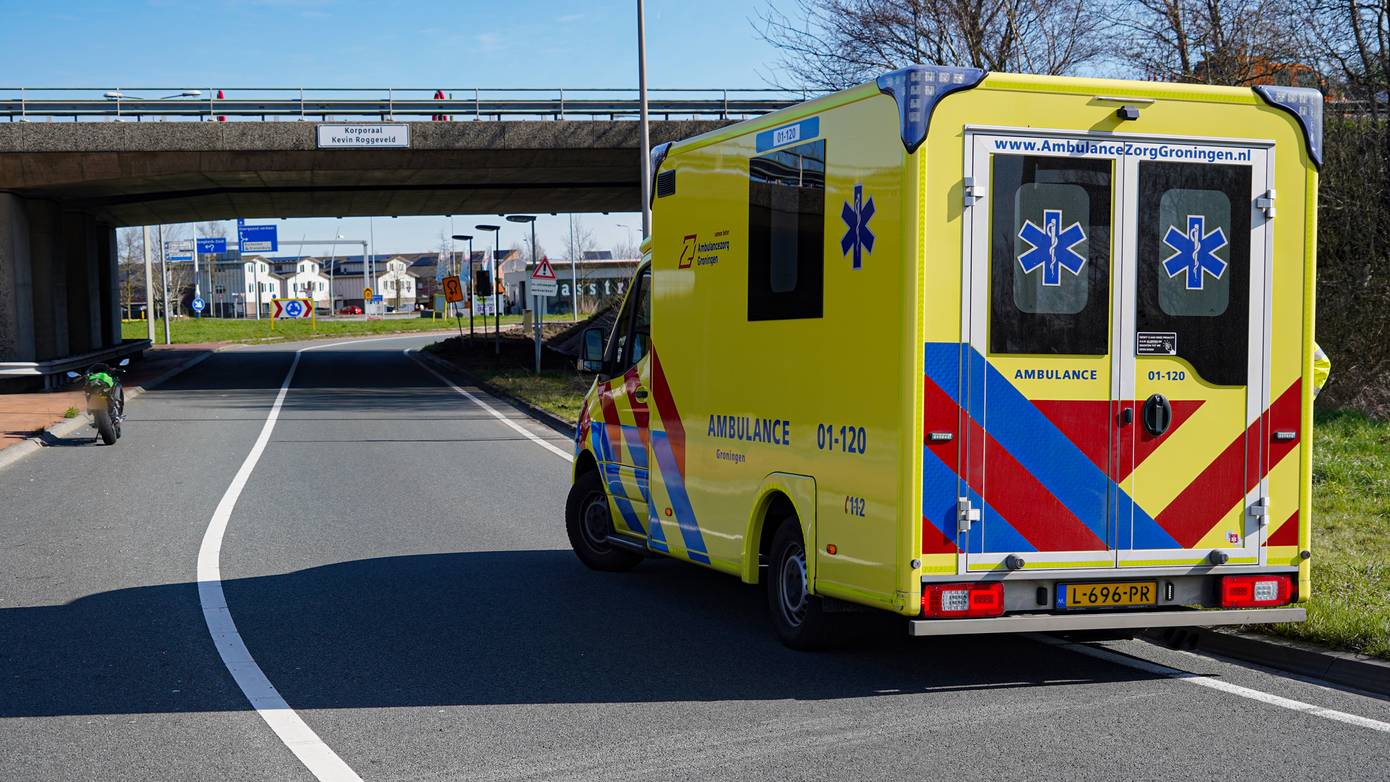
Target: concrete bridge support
(58,288)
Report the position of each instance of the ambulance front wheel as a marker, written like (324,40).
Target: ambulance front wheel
(589,524)
(798,616)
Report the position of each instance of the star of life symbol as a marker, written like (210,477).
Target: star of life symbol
(1194,252)
(858,238)
(1052,247)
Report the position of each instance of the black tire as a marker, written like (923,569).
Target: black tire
(798,616)
(106,428)
(589,524)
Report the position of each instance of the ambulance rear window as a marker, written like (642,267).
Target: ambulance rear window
(1050,255)
(1194,264)
(786,215)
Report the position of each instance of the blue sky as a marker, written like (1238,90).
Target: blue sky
(342,43)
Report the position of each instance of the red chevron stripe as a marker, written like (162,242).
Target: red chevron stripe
(611,422)
(666,408)
(933,541)
(1225,481)
(631,382)
(1015,493)
(1287,534)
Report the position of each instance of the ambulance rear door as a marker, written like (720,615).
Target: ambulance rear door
(1113,380)
(1193,343)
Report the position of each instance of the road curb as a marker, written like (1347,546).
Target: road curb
(1344,668)
(550,420)
(66,427)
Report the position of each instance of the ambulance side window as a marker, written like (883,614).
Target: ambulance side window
(641,319)
(1050,224)
(1194,263)
(632,328)
(786,226)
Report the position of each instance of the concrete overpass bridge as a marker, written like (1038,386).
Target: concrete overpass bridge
(73,168)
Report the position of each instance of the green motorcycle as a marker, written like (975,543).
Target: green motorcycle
(105,398)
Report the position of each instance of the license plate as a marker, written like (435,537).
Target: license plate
(1109,594)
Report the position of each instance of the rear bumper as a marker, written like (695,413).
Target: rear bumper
(1106,620)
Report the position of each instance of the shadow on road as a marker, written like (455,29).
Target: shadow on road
(513,627)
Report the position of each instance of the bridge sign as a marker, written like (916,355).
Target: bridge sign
(543,281)
(258,238)
(363,136)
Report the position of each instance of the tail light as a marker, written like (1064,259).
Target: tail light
(952,601)
(1255,591)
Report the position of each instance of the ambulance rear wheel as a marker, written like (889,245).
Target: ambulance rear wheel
(590,524)
(797,615)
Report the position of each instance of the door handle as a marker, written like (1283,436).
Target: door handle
(1158,414)
(640,394)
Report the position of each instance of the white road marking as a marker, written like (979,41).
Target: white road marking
(563,454)
(306,745)
(1216,684)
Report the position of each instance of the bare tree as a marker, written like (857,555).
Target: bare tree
(581,240)
(1351,41)
(131,260)
(1229,42)
(833,44)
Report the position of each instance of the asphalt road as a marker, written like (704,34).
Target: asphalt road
(397,566)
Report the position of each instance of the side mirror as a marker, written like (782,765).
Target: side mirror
(591,357)
(125,362)
(73,375)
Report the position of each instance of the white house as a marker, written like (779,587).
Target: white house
(306,280)
(397,286)
(240,284)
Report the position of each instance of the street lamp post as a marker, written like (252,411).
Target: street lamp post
(534,298)
(468,238)
(496,310)
(149,287)
(645,151)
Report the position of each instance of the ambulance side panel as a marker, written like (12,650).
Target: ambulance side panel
(1034,103)
(782,383)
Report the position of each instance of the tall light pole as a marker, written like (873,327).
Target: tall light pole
(496,310)
(574,271)
(149,288)
(536,321)
(164,282)
(332,262)
(645,152)
(468,238)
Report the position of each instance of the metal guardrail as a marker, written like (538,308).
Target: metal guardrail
(36,104)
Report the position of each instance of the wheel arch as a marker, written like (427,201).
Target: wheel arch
(779,495)
(584,462)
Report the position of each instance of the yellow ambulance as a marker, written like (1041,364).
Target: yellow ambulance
(994,352)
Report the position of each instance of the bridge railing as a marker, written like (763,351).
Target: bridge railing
(38,104)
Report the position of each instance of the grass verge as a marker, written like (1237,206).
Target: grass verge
(558,389)
(200,330)
(1350,604)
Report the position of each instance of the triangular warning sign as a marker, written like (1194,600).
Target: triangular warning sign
(544,271)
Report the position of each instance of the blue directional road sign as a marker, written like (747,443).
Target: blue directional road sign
(213,245)
(258,238)
(179,250)
(198,304)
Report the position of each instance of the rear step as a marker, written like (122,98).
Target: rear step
(1106,620)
